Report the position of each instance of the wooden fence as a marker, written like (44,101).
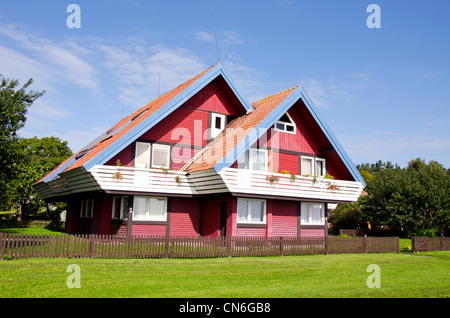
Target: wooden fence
(422,244)
(17,246)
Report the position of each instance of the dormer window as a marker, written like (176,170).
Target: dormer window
(217,124)
(285,124)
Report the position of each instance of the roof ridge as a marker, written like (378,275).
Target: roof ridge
(275,94)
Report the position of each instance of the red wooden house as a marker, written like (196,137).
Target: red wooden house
(202,160)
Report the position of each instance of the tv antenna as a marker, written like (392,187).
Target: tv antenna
(217,46)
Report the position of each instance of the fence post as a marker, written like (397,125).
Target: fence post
(365,243)
(228,242)
(442,242)
(281,245)
(1,247)
(326,244)
(130,222)
(166,246)
(91,246)
(413,243)
(397,244)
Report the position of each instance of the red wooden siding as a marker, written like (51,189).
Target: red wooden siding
(182,126)
(215,97)
(312,232)
(211,217)
(250,231)
(149,229)
(181,155)
(184,216)
(125,157)
(72,216)
(304,140)
(284,218)
(283,161)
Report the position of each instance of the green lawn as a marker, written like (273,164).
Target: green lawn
(403,275)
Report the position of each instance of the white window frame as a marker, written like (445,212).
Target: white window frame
(147,164)
(123,213)
(216,131)
(249,221)
(324,165)
(87,209)
(292,124)
(161,146)
(313,163)
(307,217)
(164,218)
(251,158)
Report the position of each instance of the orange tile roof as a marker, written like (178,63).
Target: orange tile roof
(235,132)
(98,145)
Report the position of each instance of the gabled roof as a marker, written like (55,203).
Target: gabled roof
(247,129)
(106,146)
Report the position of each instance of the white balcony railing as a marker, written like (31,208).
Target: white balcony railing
(278,184)
(120,178)
(238,181)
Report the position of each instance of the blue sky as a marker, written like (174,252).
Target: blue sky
(385,92)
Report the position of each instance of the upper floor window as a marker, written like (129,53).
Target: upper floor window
(311,166)
(285,124)
(142,155)
(254,159)
(217,124)
(160,155)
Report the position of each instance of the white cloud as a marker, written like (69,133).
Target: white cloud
(326,92)
(65,59)
(224,37)
(143,72)
(204,36)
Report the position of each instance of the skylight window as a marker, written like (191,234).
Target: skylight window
(83,152)
(285,124)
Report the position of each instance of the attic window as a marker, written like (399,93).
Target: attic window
(285,124)
(217,124)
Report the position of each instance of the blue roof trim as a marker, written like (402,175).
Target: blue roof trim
(280,110)
(331,137)
(163,112)
(56,172)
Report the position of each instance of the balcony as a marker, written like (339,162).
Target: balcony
(242,182)
(120,178)
(239,182)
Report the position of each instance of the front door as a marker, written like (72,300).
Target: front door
(223,218)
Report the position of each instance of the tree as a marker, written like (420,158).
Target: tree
(414,200)
(40,157)
(348,216)
(14,105)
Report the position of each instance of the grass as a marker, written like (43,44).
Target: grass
(403,275)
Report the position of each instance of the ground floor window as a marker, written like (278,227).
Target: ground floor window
(251,211)
(87,209)
(120,207)
(146,208)
(313,213)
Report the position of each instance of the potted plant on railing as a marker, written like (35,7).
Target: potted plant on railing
(117,176)
(333,186)
(272,179)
